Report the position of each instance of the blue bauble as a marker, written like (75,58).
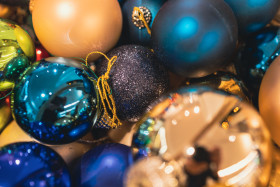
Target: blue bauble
(253,15)
(105,165)
(194,38)
(255,56)
(32,164)
(131,30)
(55,101)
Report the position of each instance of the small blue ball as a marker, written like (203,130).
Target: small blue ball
(32,164)
(194,38)
(252,15)
(255,56)
(131,32)
(55,101)
(105,165)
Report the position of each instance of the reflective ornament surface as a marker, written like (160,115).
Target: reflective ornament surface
(41,53)
(255,56)
(225,81)
(32,164)
(269,99)
(58,25)
(105,165)
(12,133)
(56,101)
(136,80)
(194,38)
(17,50)
(5,112)
(211,135)
(134,29)
(252,15)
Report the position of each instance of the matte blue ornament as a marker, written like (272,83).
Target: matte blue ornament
(134,30)
(255,56)
(32,164)
(194,38)
(252,15)
(105,165)
(55,101)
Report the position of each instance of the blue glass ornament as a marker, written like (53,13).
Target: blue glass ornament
(252,15)
(255,56)
(133,29)
(105,165)
(32,164)
(194,38)
(55,101)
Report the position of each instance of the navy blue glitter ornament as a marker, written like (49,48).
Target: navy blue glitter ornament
(255,56)
(136,80)
(194,38)
(32,164)
(252,15)
(134,29)
(55,101)
(105,165)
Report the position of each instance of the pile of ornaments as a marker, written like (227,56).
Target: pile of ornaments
(153,93)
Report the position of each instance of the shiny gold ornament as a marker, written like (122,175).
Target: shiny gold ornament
(269,99)
(211,135)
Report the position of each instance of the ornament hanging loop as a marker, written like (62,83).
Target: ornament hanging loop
(105,92)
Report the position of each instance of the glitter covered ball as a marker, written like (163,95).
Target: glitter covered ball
(32,164)
(136,80)
(55,101)
(194,38)
(211,135)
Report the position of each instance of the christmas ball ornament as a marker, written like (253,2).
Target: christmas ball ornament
(69,152)
(56,101)
(256,55)
(105,165)
(252,15)
(269,97)
(41,53)
(17,51)
(225,81)
(198,127)
(194,38)
(32,164)
(135,79)
(134,29)
(58,25)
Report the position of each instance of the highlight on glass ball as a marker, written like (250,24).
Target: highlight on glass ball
(210,136)
(17,51)
(32,164)
(56,101)
(194,38)
(71,28)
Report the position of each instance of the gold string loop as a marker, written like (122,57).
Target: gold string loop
(105,92)
(142,18)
